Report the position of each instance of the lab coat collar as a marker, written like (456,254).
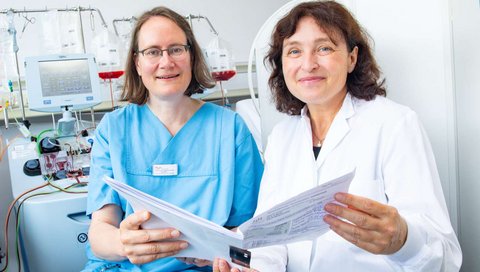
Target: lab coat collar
(347,108)
(338,129)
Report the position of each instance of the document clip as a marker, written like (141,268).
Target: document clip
(240,256)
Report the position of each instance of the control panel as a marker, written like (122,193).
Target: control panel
(61,158)
(64,160)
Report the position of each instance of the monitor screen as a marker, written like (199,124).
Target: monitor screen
(58,81)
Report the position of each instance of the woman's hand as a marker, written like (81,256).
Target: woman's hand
(141,245)
(373,226)
(220,265)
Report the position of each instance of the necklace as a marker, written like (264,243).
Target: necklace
(316,141)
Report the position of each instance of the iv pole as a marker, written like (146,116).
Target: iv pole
(191,16)
(115,21)
(12,31)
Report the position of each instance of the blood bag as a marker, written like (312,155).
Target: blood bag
(109,53)
(220,59)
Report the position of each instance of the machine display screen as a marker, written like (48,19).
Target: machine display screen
(65,77)
(58,82)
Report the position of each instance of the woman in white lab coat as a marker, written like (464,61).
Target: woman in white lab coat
(394,217)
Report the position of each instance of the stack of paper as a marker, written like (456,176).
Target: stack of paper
(298,218)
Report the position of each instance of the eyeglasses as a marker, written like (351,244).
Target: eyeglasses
(176,52)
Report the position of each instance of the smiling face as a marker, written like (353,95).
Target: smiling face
(314,66)
(164,77)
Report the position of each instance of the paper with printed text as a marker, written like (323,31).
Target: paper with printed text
(298,218)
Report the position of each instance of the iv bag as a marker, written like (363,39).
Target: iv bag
(71,34)
(7,57)
(220,59)
(61,32)
(124,32)
(109,52)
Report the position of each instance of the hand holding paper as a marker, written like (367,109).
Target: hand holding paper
(298,218)
(140,247)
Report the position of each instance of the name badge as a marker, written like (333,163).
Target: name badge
(165,169)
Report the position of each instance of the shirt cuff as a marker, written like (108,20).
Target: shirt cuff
(413,248)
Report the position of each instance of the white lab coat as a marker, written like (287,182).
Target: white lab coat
(394,163)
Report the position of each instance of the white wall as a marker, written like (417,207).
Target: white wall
(466,27)
(413,48)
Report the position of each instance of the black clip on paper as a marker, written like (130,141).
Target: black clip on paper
(240,256)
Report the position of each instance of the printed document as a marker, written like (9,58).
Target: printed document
(298,218)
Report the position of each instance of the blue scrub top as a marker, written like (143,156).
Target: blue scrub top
(219,169)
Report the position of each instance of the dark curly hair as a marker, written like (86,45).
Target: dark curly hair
(134,90)
(363,82)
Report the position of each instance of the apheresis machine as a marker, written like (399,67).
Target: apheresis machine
(49,171)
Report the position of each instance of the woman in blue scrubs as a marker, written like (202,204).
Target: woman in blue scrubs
(198,156)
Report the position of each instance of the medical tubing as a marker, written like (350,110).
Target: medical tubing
(3,151)
(15,118)
(12,205)
(78,122)
(66,189)
(7,219)
(59,189)
(17,227)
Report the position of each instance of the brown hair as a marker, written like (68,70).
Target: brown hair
(363,82)
(134,90)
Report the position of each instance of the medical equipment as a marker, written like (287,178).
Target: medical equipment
(12,31)
(52,219)
(66,125)
(56,82)
(109,52)
(221,63)
(79,10)
(131,21)
(61,33)
(190,17)
(219,57)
